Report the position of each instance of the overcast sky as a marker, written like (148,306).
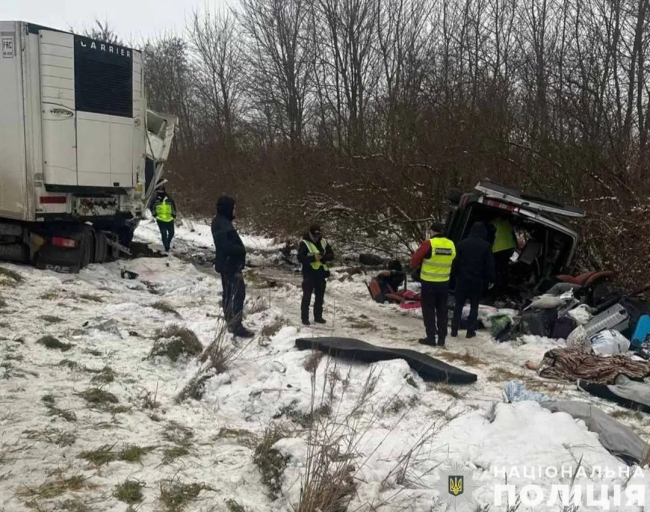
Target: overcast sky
(131,19)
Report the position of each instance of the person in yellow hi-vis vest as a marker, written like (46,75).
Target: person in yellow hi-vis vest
(163,209)
(314,253)
(434,258)
(504,243)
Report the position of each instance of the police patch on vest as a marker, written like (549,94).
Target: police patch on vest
(443,252)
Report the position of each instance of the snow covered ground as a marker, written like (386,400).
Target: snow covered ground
(90,422)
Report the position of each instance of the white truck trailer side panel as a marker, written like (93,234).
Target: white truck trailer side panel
(58,108)
(13,181)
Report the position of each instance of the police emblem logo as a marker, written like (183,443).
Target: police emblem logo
(455,487)
(455,484)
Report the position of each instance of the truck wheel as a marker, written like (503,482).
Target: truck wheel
(87,249)
(101,247)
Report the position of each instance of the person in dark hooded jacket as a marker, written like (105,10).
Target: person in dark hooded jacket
(229,262)
(473,268)
(314,253)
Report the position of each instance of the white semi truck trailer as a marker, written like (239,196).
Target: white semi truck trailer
(80,153)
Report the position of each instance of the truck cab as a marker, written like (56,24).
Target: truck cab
(546,245)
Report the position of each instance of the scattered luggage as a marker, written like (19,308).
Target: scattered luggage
(609,342)
(615,317)
(563,327)
(641,334)
(539,323)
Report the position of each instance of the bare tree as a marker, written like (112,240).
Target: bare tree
(102,31)
(219,64)
(280,59)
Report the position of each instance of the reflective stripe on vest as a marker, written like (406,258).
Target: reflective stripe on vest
(314,250)
(504,238)
(437,269)
(164,211)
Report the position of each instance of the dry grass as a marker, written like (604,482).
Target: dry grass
(217,358)
(175,452)
(53,343)
(270,330)
(105,454)
(312,361)
(50,319)
(241,436)
(55,487)
(10,278)
(304,419)
(53,410)
(627,414)
(361,322)
(500,374)
(449,390)
(174,342)
(52,435)
(164,307)
(105,376)
(234,506)
(176,496)
(467,358)
(181,437)
(271,462)
(99,398)
(257,305)
(129,491)
(91,298)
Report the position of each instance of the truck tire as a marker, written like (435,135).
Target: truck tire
(87,248)
(101,247)
(18,253)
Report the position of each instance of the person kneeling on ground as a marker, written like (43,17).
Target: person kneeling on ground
(388,284)
(473,268)
(229,262)
(434,258)
(163,209)
(314,253)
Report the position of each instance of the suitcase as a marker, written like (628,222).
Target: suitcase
(616,317)
(539,323)
(641,332)
(563,327)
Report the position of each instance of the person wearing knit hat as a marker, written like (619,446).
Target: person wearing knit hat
(314,253)
(434,260)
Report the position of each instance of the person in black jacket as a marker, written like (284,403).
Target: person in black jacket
(473,268)
(229,262)
(314,253)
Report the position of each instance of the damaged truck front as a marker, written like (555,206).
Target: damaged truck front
(546,245)
(80,153)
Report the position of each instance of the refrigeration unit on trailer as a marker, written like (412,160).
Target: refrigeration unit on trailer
(80,154)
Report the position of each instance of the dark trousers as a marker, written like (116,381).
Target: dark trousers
(234,295)
(166,232)
(467,291)
(501,264)
(313,285)
(435,310)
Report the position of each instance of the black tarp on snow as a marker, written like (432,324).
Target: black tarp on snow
(427,367)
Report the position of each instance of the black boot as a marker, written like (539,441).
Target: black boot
(320,321)
(441,342)
(242,332)
(454,333)
(305,321)
(470,335)
(427,341)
